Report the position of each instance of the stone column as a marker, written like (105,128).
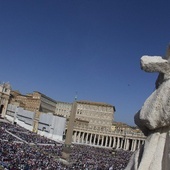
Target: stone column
(106,141)
(132,145)
(110,142)
(102,140)
(118,142)
(114,142)
(137,143)
(124,144)
(75,135)
(98,139)
(121,141)
(82,139)
(127,144)
(68,140)
(90,139)
(79,137)
(87,135)
(94,140)
(134,148)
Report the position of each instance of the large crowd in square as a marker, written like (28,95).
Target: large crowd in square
(21,149)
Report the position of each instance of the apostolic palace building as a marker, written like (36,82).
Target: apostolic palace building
(93,124)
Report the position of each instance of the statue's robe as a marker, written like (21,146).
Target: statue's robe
(154,120)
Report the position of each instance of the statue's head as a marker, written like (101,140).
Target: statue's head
(157,64)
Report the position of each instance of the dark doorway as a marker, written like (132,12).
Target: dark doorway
(1,108)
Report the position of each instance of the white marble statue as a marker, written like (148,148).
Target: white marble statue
(154,119)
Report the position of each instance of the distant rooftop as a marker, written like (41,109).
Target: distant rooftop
(43,95)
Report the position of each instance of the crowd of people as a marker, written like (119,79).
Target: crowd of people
(27,135)
(16,154)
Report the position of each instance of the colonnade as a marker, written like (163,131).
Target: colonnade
(126,142)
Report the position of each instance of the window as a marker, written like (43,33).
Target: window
(5,90)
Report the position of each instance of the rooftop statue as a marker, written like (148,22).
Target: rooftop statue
(154,119)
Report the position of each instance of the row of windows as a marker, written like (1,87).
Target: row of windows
(93,107)
(62,110)
(101,122)
(96,121)
(64,105)
(94,114)
(79,111)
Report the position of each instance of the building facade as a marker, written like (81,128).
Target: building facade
(93,123)
(98,115)
(63,109)
(35,101)
(5,90)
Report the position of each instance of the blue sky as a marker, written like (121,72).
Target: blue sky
(92,47)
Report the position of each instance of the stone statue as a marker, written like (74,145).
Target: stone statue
(154,119)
